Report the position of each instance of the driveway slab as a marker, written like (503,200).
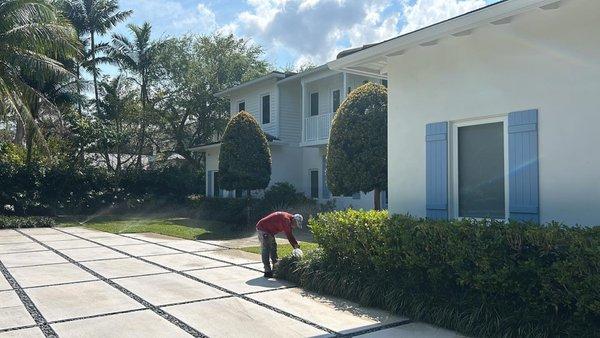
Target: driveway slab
(56,236)
(38,231)
(233,256)
(140,250)
(413,330)
(80,300)
(12,311)
(238,279)
(184,261)
(13,239)
(71,244)
(33,332)
(8,233)
(191,246)
(337,314)
(30,258)
(118,240)
(20,247)
(154,238)
(4,284)
(168,288)
(234,317)
(140,324)
(49,274)
(88,254)
(126,267)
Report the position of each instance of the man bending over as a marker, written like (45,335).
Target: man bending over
(271,225)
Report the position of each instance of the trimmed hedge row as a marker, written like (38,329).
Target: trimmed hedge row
(11,222)
(482,278)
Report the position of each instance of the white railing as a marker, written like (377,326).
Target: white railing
(316,128)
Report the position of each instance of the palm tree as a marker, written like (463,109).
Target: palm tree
(33,36)
(96,18)
(137,56)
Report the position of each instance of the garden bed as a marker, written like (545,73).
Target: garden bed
(13,222)
(481,278)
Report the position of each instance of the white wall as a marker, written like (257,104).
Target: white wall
(312,158)
(252,97)
(548,60)
(290,111)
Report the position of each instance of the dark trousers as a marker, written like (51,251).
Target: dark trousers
(268,249)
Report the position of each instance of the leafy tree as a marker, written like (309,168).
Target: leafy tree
(245,159)
(116,124)
(357,151)
(188,72)
(33,37)
(137,56)
(96,18)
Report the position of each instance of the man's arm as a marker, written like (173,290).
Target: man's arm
(290,236)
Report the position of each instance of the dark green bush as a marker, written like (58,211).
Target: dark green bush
(482,278)
(51,189)
(11,222)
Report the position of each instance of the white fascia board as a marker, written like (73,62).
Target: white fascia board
(250,83)
(453,26)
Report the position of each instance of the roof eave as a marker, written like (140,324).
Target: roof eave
(457,26)
(270,76)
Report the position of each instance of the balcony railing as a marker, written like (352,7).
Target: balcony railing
(316,128)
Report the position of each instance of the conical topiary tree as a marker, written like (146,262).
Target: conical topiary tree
(357,151)
(245,159)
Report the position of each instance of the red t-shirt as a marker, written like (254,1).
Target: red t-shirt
(277,222)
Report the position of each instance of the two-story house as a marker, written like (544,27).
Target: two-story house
(295,111)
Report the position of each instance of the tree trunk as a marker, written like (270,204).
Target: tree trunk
(377,199)
(79,109)
(93,49)
(19,133)
(144,98)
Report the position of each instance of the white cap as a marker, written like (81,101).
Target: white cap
(299,219)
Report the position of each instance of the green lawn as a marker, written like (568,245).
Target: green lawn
(177,227)
(285,249)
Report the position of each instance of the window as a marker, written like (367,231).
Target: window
(241,106)
(349,90)
(479,153)
(266,109)
(314,184)
(335,100)
(314,104)
(384,83)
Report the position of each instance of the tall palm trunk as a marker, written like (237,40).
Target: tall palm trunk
(144,97)
(78,70)
(93,50)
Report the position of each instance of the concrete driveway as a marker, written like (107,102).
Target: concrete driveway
(75,282)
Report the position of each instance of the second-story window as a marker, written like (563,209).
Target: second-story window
(266,109)
(241,106)
(335,100)
(314,104)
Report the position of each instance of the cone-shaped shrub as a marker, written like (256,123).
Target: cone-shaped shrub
(245,159)
(357,152)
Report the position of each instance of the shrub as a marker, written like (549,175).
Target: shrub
(11,222)
(483,278)
(357,151)
(245,158)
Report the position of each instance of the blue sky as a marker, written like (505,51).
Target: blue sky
(295,32)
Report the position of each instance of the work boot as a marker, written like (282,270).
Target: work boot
(268,274)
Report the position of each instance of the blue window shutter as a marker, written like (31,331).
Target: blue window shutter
(524,200)
(437,170)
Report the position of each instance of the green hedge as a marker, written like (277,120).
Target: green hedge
(481,278)
(11,222)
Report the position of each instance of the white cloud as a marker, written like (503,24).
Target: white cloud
(316,30)
(427,12)
(171,17)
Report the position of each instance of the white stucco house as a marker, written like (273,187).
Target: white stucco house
(295,111)
(494,113)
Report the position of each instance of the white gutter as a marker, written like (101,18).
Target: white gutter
(273,75)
